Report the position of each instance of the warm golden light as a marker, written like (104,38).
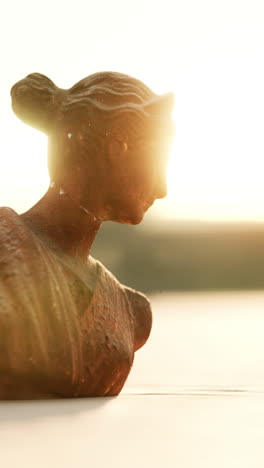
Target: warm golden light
(208,61)
(24,176)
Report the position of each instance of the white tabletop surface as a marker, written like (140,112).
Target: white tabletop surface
(194,399)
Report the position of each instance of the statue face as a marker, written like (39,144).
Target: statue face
(130,181)
(116,173)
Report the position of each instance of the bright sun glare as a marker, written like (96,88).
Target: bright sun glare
(209,53)
(216,167)
(204,182)
(24,176)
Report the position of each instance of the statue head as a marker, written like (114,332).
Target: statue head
(109,138)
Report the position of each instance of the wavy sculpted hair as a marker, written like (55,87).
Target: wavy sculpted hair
(102,104)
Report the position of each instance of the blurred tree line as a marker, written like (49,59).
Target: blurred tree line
(176,256)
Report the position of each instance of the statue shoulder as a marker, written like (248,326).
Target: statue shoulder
(7,213)
(10,225)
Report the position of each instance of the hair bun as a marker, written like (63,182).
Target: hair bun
(34,101)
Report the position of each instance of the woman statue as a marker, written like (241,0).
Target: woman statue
(68,328)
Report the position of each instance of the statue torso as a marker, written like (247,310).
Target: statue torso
(66,329)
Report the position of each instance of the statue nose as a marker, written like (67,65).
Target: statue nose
(161,186)
(162,191)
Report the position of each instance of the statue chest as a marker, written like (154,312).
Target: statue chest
(61,333)
(105,329)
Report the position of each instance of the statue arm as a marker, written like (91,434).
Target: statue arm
(142,315)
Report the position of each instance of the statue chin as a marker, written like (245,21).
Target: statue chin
(131,218)
(131,213)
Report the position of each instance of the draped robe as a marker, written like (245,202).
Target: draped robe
(65,330)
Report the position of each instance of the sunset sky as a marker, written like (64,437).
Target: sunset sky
(209,53)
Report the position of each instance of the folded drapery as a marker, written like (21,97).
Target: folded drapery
(64,330)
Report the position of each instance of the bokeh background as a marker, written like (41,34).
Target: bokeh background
(199,380)
(208,233)
(184,256)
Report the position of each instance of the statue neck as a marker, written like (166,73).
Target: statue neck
(63,223)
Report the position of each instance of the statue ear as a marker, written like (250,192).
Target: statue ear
(160,105)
